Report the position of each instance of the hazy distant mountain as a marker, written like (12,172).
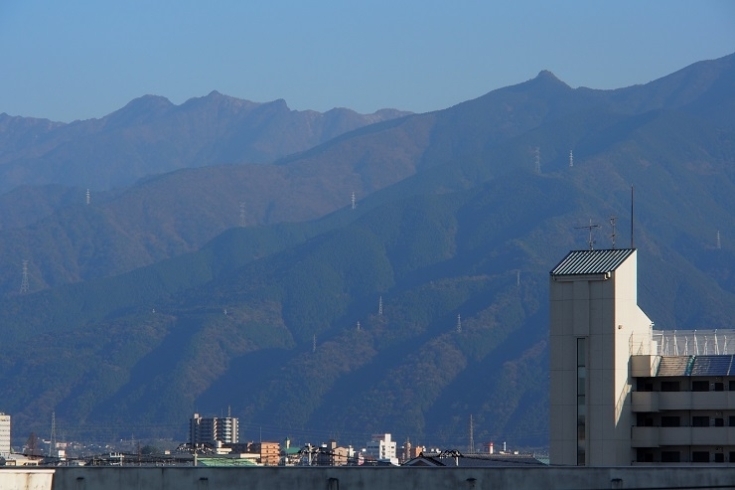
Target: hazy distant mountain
(151,135)
(454,218)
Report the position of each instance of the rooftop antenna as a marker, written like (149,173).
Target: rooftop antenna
(538,160)
(88,197)
(719,244)
(353,200)
(24,283)
(459,323)
(591,227)
(612,222)
(380,306)
(242,214)
(571,158)
(632,202)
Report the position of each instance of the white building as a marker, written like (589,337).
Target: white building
(210,430)
(623,393)
(4,435)
(382,447)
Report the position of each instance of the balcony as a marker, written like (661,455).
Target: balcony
(645,401)
(645,436)
(657,401)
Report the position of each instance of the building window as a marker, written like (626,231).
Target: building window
(670,421)
(731,423)
(732,456)
(731,385)
(719,386)
(719,457)
(719,422)
(669,386)
(700,457)
(670,457)
(581,402)
(644,420)
(700,421)
(700,385)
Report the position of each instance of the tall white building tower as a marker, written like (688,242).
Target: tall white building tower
(4,435)
(595,324)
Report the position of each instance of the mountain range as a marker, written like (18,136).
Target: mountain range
(240,275)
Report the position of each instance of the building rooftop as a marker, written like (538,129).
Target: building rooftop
(671,366)
(581,262)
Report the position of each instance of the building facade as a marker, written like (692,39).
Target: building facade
(623,393)
(212,430)
(381,447)
(594,318)
(4,435)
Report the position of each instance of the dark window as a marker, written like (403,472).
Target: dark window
(645,420)
(700,421)
(732,456)
(645,385)
(731,385)
(669,386)
(700,457)
(719,386)
(719,422)
(731,423)
(670,457)
(670,421)
(700,385)
(719,457)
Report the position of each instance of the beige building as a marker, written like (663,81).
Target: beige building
(623,393)
(594,320)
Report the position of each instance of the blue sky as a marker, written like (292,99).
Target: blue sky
(80,59)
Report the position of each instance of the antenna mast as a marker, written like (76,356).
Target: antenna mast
(632,201)
(612,222)
(591,227)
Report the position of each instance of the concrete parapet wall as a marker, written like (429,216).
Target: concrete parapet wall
(25,479)
(388,478)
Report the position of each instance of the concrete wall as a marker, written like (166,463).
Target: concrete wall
(388,478)
(22,479)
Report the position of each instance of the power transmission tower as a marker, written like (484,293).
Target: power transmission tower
(537,163)
(313,344)
(612,223)
(459,323)
(24,283)
(52,449)
(380,306)
(89,198)
(571,158)
(719,244)
(358,326)
(242,214)
(354,203)
(472,436)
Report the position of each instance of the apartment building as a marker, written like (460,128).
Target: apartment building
(4,435)
(623,393)
(211,430)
